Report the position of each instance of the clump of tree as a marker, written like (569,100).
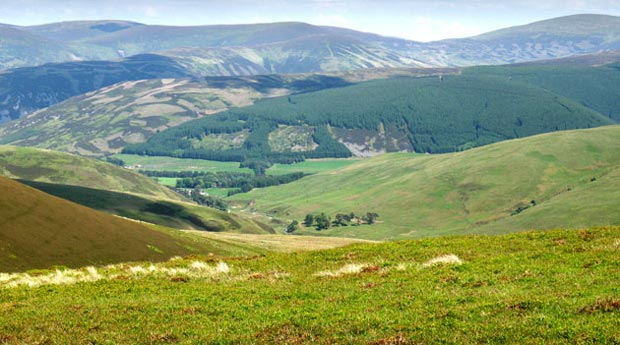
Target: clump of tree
(205,200)
(522,208)
(241,182)
(294,226)
(323,221)
(115,161)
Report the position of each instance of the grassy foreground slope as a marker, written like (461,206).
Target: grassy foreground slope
(572,176)
(38,230)
(61,168)
(539,287)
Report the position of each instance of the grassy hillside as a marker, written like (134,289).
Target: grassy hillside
(537,287)
(430,114)
(61,168)
(38,230)
(167,213)
(21,48)
(572,176)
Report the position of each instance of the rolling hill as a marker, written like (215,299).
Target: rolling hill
(112,189)
(21,48)
(547,39)
(150,52)
(426,115)
(291,47)
(104,121)
(171,214)
(62,168)
(564,179)
(39,231)
(27,89)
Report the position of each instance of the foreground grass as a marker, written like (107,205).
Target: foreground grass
(539,287)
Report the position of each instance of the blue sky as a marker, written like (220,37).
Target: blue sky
(421,20)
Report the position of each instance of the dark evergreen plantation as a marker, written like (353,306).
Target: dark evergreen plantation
(434,114)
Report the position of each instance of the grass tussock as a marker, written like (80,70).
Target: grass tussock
(179,271)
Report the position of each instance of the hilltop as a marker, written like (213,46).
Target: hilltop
(292,47)
(509,186)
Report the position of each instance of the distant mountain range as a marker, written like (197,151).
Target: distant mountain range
(292,47)
(71,58)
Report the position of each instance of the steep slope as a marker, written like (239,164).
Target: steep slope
(61,168)
(24,90)
(571,176)
(105,120)
(38,230)
(426,115)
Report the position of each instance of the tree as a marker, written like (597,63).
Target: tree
(322,222)
(309,220)
(294,226)
(342,219)
(371,217)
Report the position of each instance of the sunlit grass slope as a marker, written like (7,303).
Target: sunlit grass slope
(172,214)
(38,230)
(62,168)
(549,287)
(572,176)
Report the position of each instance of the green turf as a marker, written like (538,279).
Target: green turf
(167,181)
(311,166)
(179,164)
(551,287)
(471,191)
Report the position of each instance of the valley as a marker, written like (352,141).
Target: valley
(304,183)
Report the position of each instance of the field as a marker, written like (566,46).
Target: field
(536,287)
(179,164)
(310,166)
(488,189)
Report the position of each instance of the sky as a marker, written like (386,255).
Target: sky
(419,20)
